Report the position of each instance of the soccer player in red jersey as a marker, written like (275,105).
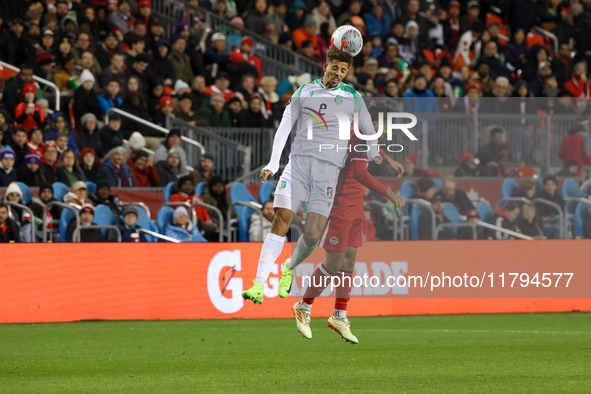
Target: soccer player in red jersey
(342,236)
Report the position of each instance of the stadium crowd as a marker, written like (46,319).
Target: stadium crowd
(104,54)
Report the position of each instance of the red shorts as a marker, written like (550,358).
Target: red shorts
(344,228)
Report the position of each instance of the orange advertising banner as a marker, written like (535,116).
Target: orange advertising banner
(160,281)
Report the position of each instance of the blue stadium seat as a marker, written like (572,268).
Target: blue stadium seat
(417,211)
(168,191)
(408,189)
(103,216)
(485,211)
(59,191)
(200,188)
(509,188)
(144,222)
(451,213)
(90,187)
(539,184)
(570,188)
(579,219)
(265,192)
(27,194)
(239,192)
(438,183)
(65,218)
(165,215)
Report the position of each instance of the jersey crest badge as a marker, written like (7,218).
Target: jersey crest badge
(338,100)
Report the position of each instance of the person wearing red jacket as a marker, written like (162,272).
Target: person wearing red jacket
(187,194)
(573,144)
(579,86)
(144,172)
(307,32)
(247,49)
(28,114)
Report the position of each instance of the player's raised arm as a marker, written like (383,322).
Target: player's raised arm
(360,173)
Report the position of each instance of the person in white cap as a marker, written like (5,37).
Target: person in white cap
(86,98)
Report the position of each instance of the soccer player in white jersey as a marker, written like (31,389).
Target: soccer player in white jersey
(312,172)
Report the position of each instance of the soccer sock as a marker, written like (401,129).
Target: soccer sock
(343,294)
(272,248)
(301,253)
(318,282)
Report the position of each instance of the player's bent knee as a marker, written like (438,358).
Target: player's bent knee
(281,222)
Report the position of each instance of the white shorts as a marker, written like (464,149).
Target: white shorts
(309,180)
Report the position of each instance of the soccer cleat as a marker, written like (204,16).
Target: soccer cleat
(302,317)
(343,327)
(285,283)
(255,293)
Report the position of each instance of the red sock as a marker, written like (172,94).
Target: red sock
(318,282)
(343,291)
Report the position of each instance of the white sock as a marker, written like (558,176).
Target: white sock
(339,313)
(305,305)
(272,248)
(301,253)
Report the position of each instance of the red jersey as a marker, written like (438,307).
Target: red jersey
(354,177)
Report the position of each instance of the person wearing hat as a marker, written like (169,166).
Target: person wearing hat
(143,170)
(180,60)
(38,204)
(27,113)
(573,144)
(468,166)
(103,196)
(570,170)
(172,140)
(213,111)
(122,17)
(88,136)
(185,112)
(181,228)
(216,55)
(472,217)
(128,227)
(501,168)
(452,194)
(85,98)
(49,161)
(426,189)
(9,230)
(410,167)
(115,171)
(425,221)
(44,64)
(7,171)
(307,32)
(234,108)
(205,169)
(215,194)
(186,193)
(221,85)
(169,170)
(88,233)
(163,67)
(453,25)
(111,133)
(472,13)
(419,99)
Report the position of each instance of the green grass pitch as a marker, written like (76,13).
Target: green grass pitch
(532,353)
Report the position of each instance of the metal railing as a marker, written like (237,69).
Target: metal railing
(42,81)
(30,212)
(63,206)
(504,230)
(232,158)
(252,205)
(159,236)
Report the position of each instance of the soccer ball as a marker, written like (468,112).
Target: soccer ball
(347,39)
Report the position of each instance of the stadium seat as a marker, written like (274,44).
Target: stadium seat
(144,222)
(485,211)
(438,183)
(165,215)
(451,213)
(266,192)
(417,211)
(200,188)
(408,190)
(533,39)
(27,194)
(509,188)
(239,192)
(103,216)
(59,191)
(539,183)
(570,189)
(90,187)
(168,191)
(65,218)
(579,219)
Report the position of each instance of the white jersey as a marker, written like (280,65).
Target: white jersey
(313,102)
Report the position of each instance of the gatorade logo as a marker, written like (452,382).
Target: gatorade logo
(225,290)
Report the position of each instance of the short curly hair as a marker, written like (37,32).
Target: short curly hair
(340,56)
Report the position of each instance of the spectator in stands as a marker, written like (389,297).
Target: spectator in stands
(468,167)
(256,226)
(529,223)
(122,18)
(549,215)
(377,21)
(425,221)
(500,168)
(215,194)
(322,14)
(115,171)
(307,33)
(111,135)
(234,108)
(163,67)
(27,113)
(85,98)
(103,196)
(19,145)
(450,193)
(169,170)
(9,230)
(13,90)
(419,98)
(59,123)
(214,113)
(68,169)
(49,161)
(80,191)
(35,143)
(114,71)
(68,72)
(38,204)
(489,153)
(7,171)
(89,165)
(205,170)
(247,88)
(184,111)
(573,144)
(427,189)
(29,172)
(128,227)
(570,170)
(88,136)
(135,104)
(499,98)
(172,140)
(110,98)
(165,109)
(517,50)
(271,101)
(198,94)
(410,167)
(296,15)
(137,44)
(187,194)
(255,115)
(180,60)
(87,232)
(472,217)
(505,218)
(143,170)
(564,104)
(527,189)
(5,120)
(182,228)
(579,86)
